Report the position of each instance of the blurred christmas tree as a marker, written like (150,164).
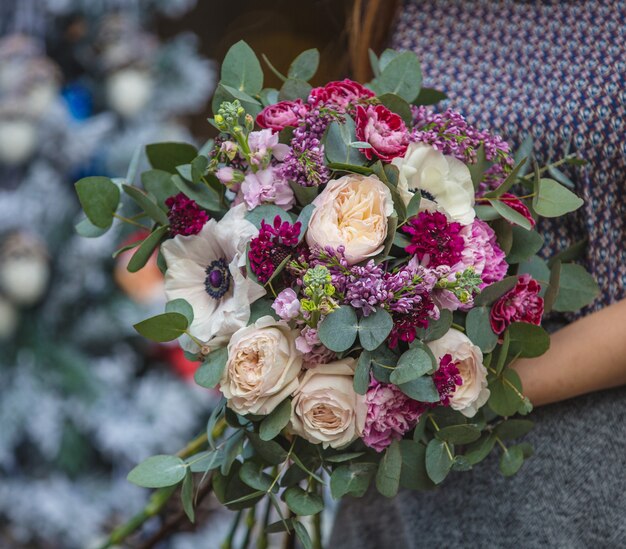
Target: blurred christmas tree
(82,398)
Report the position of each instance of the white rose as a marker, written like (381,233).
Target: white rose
(473,393)
(445,178)
(351,211)
(325,409)
(262,368)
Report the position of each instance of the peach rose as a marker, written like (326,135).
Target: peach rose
(351,211)
(473,393)
(325,409)
(262,368)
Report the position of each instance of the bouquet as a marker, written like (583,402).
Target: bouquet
(357,272)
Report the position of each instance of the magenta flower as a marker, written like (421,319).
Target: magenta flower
(272,246)
(384,130)
(185,216)
(447,378)
(340,95)
(390,414)
(520,304)
(281,115)
(482,252)
(434,240)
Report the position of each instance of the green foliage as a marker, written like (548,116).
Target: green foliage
(150,207)
(554,200)
(269,450)
(577,288)
(412,208)
(397,104)
(212,369)
(337,141)
(459,434)
(204,196)
(87,229)
(361,378)
(267,213)
(513,428)
(158,472)
(304,218)
(436,328)
(353,479)
(477,169)
(241,69)
(163,327)
(528,340)
(305,65)
(339,329)
(146,249)
(303,503)
(252,474)
(438,460)
(276,421)
(478,329)
(389,469)
(167,156)
(303,535)
(422,389)
(508,182)
(159,185)
(413,474)
(261,307)
(186,496)
(413,364)
(99,198)
(510,214)
(493,292)
(511,461)
(374,329)
(293,89)
(480,449)
(429,96)
(205,461)
(525,244)
(180,306)
(505,399)
(400,74)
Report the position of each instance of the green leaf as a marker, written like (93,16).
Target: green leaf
(87,229)
(386,57)
(528,340)
(413,364)
(269,450)
(158,183)
(436,328)
(413,474)
(560,177)
(99,198)
(495,291)
(267,213)
(199,166)
(163,327)
(459,434)
(389,469)
(525,244)
(438,461)
(525,151)
(337,144)
(294,89)
(396,104)
(571,253)
(158,472)
(261,307)
(508,182)
(429,96)
(537,268)
(232,449)
(186,496)
(304,218)
(553,287)
(211,370)
(513,428)
(339,329)
(478,168)
(510,214)
(305,65)
(180,306)
(478,329)
(303,535)
(269,96)
(146,204)
(340,458)
(252,474)
(422,389)
(402,76)
(373,61)
(420,428)
(504,399)
(413,206)
(243,97)
(303,503)
(241,69)
(577,288)
(304,195)
(145,250)
(204,196)
(511,461)
(374,329)
(276,421)
(353,479)
(204,461)
(166,156)
(480,449)
(554,200)
(361,378)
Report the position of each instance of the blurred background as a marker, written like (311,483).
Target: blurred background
(84,84)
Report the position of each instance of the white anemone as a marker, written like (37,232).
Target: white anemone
(206,270)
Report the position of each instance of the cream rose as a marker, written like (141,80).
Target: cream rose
(445,178)
(473,393)
(262,368)
(325,409)
(351,211)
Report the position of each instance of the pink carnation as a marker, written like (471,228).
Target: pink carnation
(287,304)
(390,414)
(281,115)
(267,187)
(482,252)
(520,304)
(340,94)
(513,202)
(384,130)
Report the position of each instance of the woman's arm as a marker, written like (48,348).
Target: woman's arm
(585,356)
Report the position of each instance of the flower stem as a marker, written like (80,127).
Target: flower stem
(130,221)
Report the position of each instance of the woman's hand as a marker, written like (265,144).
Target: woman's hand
(585,356)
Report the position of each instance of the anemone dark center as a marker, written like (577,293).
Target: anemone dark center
(217,281)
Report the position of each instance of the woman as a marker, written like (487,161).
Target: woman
(556,69)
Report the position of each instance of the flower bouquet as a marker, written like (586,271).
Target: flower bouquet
(357,272)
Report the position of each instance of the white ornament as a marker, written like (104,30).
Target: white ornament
(129,91)
(18,139)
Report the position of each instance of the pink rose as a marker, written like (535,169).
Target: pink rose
(384,130)
(513,202)
(520,304)
(287,305)
(339,94)
(281,115)
(390,414)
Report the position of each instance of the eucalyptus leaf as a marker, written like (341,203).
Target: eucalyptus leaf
(146,249)
(241,69)
(294,89)
(438,460)
(158,472)
(577,288)
(398,105)
(495,291)
(252,474)
(303,535)
(158,184)
(353,479)
(389,469)
(374,329)
(422,389)
(511,461)
(436,328)
(167,156)
(276,421)
(163,327)
(505,390)
(525,244)
(339,329)
(459,434)
(305,65)
(361,378)
(510,214)
(180,306)
(210,372)
(413,364)
(528,340)
(204,196)
(303,503)
(429,96)
(513,428)
(478,329)
(402,76)
(99,198)
(554,200)
(413,474)
(186,496)
(267,213)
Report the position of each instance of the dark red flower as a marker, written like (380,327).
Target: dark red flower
(520,304)
(513,202)
(384,130)
(340,94)
(282,115)
(185,215)
(447,378)
(435,238)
